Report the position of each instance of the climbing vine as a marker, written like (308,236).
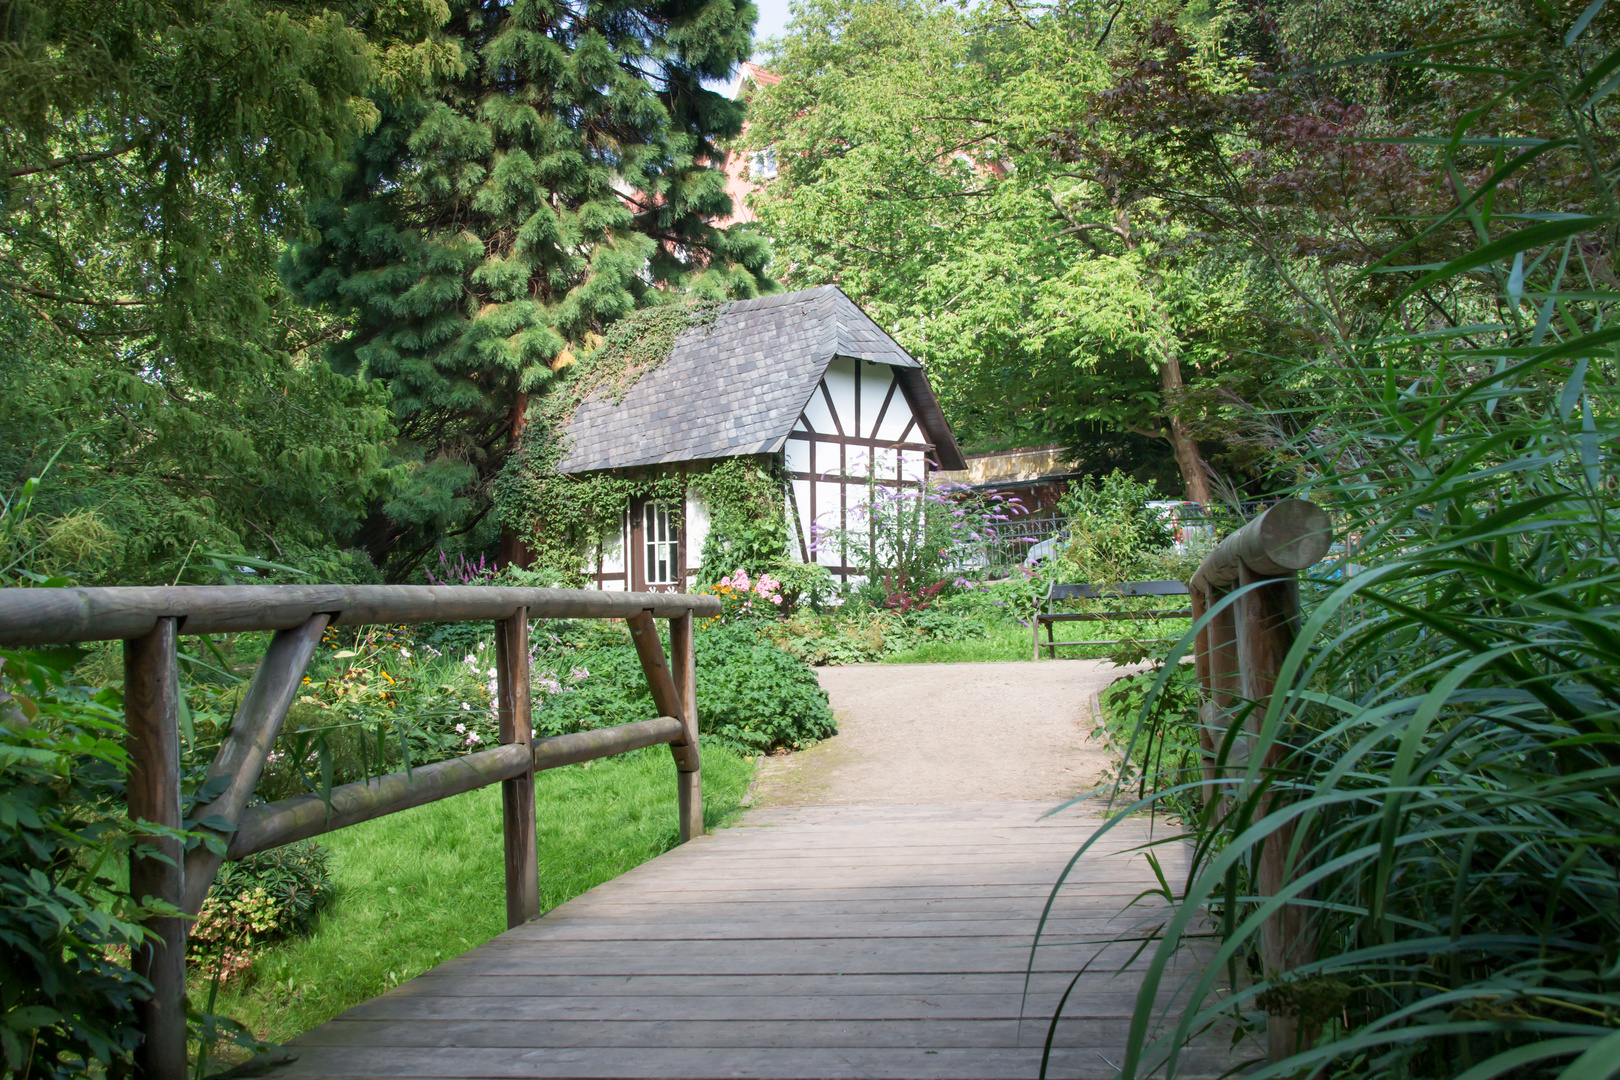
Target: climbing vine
(564,517)
(748,528)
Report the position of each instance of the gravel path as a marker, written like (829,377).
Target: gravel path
(949,733)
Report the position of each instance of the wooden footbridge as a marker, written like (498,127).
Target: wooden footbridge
(895,942)
(875,941)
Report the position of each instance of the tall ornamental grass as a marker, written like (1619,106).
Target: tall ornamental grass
(1447,718)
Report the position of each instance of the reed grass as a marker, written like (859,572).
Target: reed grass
(1449,718)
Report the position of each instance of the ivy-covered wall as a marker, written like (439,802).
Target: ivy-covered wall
(566,518)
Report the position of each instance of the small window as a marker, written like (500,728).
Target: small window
(762,164)
(661,544)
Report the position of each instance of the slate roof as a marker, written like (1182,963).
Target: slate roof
(737,386)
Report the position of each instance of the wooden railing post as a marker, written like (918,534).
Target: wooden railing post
(253,734)
(1266,624)
(683,662)
(670,701)
(1241,653)
(152,737)
(517,793)
(1207,746)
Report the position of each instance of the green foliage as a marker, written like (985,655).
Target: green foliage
(155,157)
(66,998)
(1156,734)
(752,695)
(481,237)
(755,695)
(748,523)
(256,902)
(1114,537)
(1442,738)
(1051,300)
(837,638)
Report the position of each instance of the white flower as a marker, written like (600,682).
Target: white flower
(406,653)
(471,661)
(461,729)
(466,707)
(492,673)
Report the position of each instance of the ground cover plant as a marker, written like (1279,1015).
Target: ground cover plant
(1159,750)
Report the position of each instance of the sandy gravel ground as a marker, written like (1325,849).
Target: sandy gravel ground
(949,733)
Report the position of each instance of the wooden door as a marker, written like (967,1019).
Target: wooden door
(657,547)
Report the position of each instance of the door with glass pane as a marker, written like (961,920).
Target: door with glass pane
(658,555)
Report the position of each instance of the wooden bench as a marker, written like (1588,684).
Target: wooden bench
(1056,592)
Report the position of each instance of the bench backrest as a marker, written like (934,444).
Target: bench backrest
(1128,588)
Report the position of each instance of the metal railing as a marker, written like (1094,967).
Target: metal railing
(150,621)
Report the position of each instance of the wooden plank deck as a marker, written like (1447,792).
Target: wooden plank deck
(819,942)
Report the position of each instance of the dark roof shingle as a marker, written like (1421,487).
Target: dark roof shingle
(735,387)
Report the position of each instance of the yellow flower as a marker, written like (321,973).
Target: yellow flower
(387,676)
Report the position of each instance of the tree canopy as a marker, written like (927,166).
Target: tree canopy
(487,231)
(153,161)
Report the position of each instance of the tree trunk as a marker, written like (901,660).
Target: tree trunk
(1188,460)
(1182,444)
(513,549)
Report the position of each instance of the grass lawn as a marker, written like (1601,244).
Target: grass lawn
(1009,640)
(421,886)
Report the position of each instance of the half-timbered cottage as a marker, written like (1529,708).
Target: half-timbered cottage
(804,375)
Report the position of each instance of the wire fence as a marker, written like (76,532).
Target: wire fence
(1029,540)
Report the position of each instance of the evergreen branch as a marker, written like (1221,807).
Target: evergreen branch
(45,294)
(71,159)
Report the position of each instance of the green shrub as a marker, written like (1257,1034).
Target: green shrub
(751,693)
(256,902)
(1158,741)
(853,637)
(1113,535)
(66,925)
(755,695)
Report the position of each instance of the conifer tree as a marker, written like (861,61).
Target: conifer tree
(486,234)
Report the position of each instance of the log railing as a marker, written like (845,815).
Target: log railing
(150,620)
(1239,652)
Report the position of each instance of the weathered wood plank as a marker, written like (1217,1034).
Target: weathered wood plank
(688,781)
(680,1063)
(757,996)
(925,1032)
(517,792)
(729,957)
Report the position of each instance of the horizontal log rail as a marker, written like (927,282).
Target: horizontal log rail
(150,620)
(287,821)
(1239,653)
(64,616)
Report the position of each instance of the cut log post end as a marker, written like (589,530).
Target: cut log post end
(1239,656)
